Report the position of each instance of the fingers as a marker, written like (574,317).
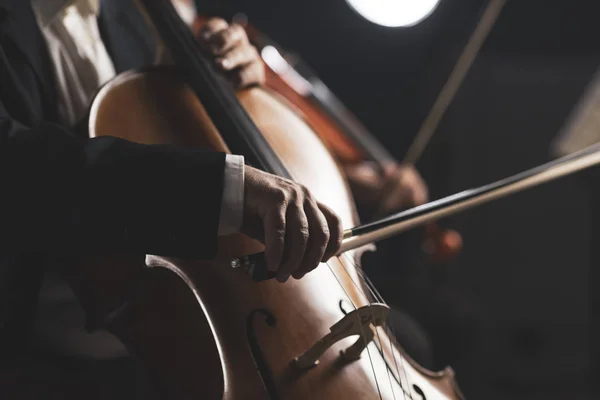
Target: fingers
(296,240)
(249,75)
(313,235)
(317,240)
(274,226)
(300,235)
(245,66)
(237,57)
(212,27)
(336,232)
(220,37)
(298,231)
(233,52)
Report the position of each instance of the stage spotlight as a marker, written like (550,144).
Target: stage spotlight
(394,13)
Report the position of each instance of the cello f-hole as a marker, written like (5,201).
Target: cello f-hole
(259,358)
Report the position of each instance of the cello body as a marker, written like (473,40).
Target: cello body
(203,330)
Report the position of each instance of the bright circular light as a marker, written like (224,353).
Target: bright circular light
(394,13)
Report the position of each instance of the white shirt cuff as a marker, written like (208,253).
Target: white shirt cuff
(232,205)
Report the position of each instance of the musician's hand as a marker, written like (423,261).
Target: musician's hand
(398,188)
(297,230)
(233,52)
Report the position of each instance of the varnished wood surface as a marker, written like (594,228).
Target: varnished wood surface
(190,324)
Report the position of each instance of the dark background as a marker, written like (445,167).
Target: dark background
(526,260)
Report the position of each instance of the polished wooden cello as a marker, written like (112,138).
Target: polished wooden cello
(204,329)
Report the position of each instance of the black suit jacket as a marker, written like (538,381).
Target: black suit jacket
(66,195)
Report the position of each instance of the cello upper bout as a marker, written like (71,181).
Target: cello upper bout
(153,106)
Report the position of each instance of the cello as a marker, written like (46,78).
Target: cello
(202,329)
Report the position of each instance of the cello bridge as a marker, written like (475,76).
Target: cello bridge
(357,322)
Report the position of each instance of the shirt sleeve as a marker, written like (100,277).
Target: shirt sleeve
(232,206)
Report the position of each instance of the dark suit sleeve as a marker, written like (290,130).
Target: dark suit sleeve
(61,194)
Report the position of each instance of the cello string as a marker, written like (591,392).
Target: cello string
(375,293)
(361,290)
(361,327)
(354,264)
(377,296)
(400,370)
(393,344)
(380,299)
(373,289)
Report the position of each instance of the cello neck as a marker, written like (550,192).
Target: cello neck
(220,100)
